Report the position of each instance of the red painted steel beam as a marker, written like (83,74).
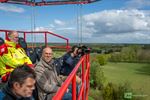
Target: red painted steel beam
(63,88)
(24,35)
(46,3)
(58,36)
(81,92)
(46,32)
(45,38)
(74,87)
(3,0)
(5,30)
(60,3)
(41,32)
(67,82)
(83,75)
(67,47)
(37,32)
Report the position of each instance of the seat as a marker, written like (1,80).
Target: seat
(22,43)
(31,54)
(38,52)
(1,41)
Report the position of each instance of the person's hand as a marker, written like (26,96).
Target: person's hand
(78,79)
(67,90)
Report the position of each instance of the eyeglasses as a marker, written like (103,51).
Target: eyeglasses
(49,53)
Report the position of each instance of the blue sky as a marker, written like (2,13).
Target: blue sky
(106,21)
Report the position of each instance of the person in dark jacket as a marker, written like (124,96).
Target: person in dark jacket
(69,61)
(20,84)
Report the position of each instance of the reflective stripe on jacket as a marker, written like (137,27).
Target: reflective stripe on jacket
(15,57)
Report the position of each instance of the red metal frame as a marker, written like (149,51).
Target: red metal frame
(47,2)
(67,47)
(83,94)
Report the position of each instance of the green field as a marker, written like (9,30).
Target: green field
(138,75)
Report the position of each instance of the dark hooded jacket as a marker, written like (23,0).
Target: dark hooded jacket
(69,63)
(7,94)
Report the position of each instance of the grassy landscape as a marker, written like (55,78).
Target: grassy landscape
(138,76)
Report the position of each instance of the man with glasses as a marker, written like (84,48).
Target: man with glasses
(12,55)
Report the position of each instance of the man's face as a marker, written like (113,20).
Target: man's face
(14,37)
(47,55)
(25,89)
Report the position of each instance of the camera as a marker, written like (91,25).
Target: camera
(82,50)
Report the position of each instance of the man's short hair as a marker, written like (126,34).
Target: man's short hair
(11,32)
(20,74)
(45,47)
(73,48)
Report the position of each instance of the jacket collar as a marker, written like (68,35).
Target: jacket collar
(10,43)
(48,65)
(8,91)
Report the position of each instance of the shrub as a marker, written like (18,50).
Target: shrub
(90,98)
(108,92)
(102,59)
(122,89)
(99,78)
(94,66)
(95,94)
(115,57)
(116,92)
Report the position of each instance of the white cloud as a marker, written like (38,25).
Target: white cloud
(51,38)
(117,21)
(132,4)
(42,29)
(66,28)
(54,29)
(11,8)
(117,26)
(59,22)
(52,26)
(108,26)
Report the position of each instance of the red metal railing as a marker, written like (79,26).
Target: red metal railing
(47,2)
(83,93)
(45,37)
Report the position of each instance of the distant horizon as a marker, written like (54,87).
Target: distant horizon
(94,43)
